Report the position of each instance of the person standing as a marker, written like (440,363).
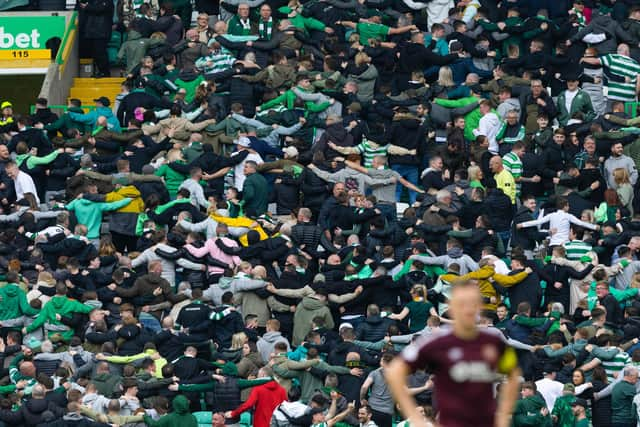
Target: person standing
(504,179)
(255,194)
(579,408)
(96,19)
(382,406)
(622,399)
(463,356)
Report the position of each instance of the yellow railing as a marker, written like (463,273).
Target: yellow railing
(69,35)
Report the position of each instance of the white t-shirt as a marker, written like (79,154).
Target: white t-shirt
(239,170)
(24,184)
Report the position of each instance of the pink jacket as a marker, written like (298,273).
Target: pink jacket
(212,249)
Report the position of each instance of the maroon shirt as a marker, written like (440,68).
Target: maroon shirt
(465,372)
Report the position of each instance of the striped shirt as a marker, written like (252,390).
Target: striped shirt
(513,164)
(576,249)
(620,66)
(369,150)
(614,366)
(215,62)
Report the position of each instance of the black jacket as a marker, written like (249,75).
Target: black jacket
(374,328)
(135,99)
(405,133)
(35,138)
(526,238)
(60,169)
(499,208)
(96,19)
(528,290)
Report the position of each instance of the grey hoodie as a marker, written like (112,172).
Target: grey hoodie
(268,341)
(466,263)
(508,105)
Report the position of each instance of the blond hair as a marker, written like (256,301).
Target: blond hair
(238,340)
(621,176)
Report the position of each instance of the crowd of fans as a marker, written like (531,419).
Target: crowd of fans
(283,196)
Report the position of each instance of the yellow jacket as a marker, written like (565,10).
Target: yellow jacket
(486,287)
(136,205)
(241,222)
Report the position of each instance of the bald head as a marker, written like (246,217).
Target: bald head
(495,164)
(623,49)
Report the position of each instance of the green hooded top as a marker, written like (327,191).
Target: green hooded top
(620,295)
(471,119)
(173,179)
(562,410)
(33,161)
(179,417)
(90,213)
(527,412)
(288,98)
(13,303)
(58,305)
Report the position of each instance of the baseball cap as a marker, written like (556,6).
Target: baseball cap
(103,100)
(580,402)
(456,46)
(290,151)
(243,141)
(345,325)
(6,104)
(569,387)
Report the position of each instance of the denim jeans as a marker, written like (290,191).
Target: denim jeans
(150,322)
(410,173)
(505,236)
(389,211)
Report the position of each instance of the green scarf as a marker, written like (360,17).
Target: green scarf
(265,28)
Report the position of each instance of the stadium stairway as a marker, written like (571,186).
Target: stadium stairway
(87,89)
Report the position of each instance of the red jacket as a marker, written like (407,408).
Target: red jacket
(264,399)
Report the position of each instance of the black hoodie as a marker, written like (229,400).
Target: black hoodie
(405,133)
(337,134)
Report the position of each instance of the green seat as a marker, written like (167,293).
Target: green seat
(203,418)
(245,419)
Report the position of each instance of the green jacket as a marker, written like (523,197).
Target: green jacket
(471,119)
(33,161)
(235,28)
(107,384)
(309,383)
(15,375)
(289,98)
(172,179)
(302,22)
(63,306)
(286,369)
(581,102)
(309,308)
(527,412)
(512,23)
(135,48)
(255,195)
(620,295)
(562,410)
(13,303)
(66,122)
(621,403)
(90,213)
(179,417)
(189,86)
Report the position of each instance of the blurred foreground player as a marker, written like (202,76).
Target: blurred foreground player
(466,362)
